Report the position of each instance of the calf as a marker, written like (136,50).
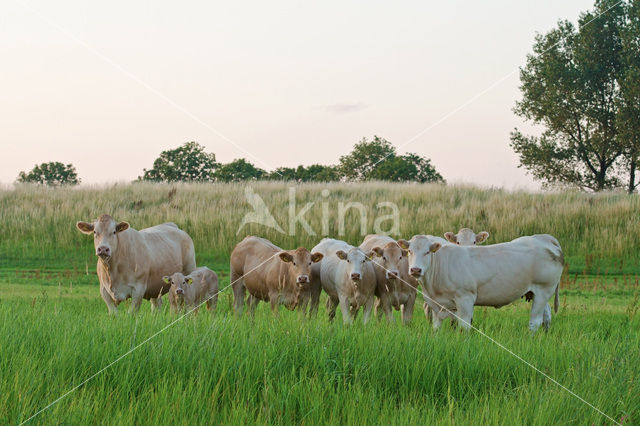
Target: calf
(395,288)
(466,237)
(192,290)
(347,276)
(269,273)
(457,278)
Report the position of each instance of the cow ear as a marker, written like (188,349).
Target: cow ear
(316,257)
(370,255)
(378,251)
(405,252)
(434,247)
(189,280)
(122,226)
(482,237)
(341,254)
(403,244)
(166,279)
(85,227)
(451,237)
(286,257)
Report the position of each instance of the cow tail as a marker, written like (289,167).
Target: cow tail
(556,302)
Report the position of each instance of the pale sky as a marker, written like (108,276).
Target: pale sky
(108,85)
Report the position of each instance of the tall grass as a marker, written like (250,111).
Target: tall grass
(598,232)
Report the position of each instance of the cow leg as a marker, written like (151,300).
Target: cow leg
(111,305)
(345,308)
(315,300)
(537,311)
(464,310)
(384,307)
(368,307)
(253,303)
(212,301)
(331,307)
(546,317)
(407,312)
(156,304)
(238,292)
(436,320)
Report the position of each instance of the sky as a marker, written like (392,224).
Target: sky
(107,86)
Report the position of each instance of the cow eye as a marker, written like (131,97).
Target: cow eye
(348,261)
(294,263)
(384,258)
(362,260)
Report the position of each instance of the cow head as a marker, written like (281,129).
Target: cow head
(105,232)
(299,261)
(178,284)
(466,237)
(356,259)
(420,249)
(390,258)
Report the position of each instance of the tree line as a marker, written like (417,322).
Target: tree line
(375,159)
(581,85)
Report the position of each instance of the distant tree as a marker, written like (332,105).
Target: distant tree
(53,174)
(365,157)
(378,160)
(188,162)
(581,86)
(238,170)
(313,173)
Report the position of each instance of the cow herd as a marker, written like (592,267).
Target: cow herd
(382,274)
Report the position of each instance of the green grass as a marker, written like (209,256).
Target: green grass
(219,369)
(55,332)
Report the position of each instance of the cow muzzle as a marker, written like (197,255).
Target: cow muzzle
(355,276)
(179,291)
(103,252)
(302,279)
(416,272)
(392,275)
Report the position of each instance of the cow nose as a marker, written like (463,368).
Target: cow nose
(179,291)
(303,279)
(416,271)
(103,251)
(392,275)
(355,276)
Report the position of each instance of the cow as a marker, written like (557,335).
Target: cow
(346,274)
(131,263)
(395,288)
(466,237)
(190,291)
(269,273)
(457,278)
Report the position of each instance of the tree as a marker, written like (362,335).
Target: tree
(313,173)
(571,86)
(53,174)
(628,120)
(188,162)
(377,160)
(365,157)
(238,170)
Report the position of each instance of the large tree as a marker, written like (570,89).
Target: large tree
(571,85)
(53,174)
(312,173)
(188,162)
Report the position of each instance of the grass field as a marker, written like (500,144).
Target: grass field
(55,332)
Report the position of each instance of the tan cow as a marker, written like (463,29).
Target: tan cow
(131,263)
(395,287)
(190,291)
(457,278)
(466,237)
(348,277)
(269,273)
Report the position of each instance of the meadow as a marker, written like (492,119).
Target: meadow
(200,369)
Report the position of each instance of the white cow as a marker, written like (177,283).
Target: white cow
(455,278)
(347,276)
(466,237)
